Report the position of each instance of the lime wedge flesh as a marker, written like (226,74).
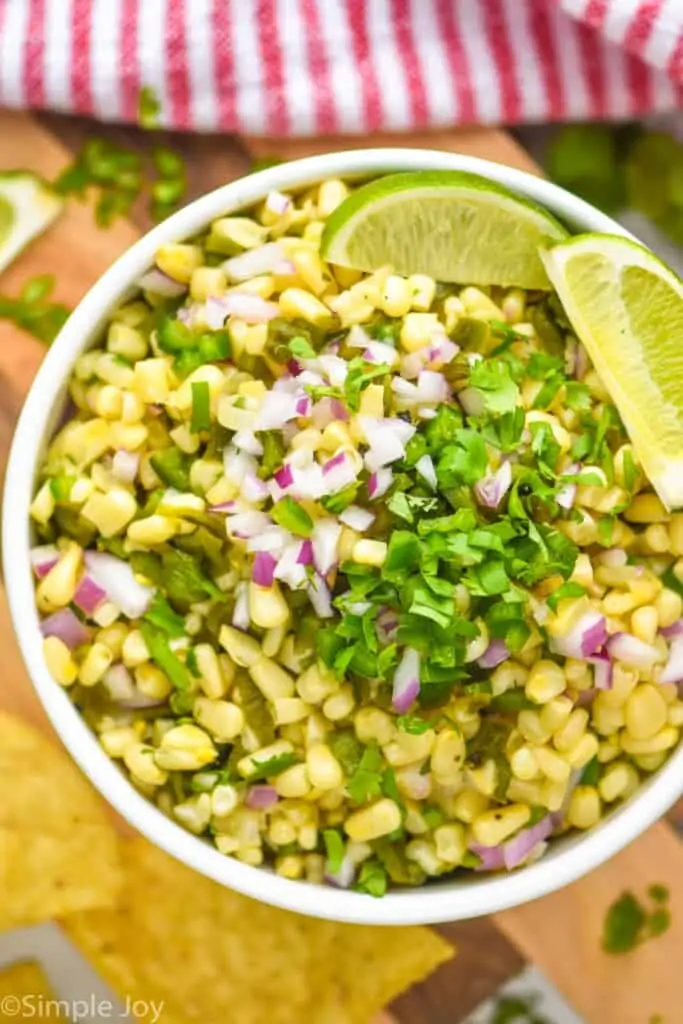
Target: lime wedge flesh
(451,225)
(626,306)
(27,207)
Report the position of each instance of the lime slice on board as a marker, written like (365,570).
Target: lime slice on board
(450,225)
(626,306)
(27,207)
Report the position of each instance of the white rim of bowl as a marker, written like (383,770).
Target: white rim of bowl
(446,900)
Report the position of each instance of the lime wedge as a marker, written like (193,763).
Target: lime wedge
(626,306)
(450,225)
(27,207)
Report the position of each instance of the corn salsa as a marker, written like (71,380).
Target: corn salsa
(356,575)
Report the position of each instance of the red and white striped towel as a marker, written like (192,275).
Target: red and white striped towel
(300,67)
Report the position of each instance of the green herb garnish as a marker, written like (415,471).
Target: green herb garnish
(288,514)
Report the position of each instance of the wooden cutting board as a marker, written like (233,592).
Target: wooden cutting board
(560,933)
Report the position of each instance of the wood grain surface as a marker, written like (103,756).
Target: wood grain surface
(560,933)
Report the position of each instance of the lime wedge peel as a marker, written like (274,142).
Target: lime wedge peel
(626,306)
(452,225)
(27,208)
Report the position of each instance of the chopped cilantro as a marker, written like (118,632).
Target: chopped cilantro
(360,374)
(160,652)
(567,589)
(334,849)
(413,724)
(291,516)
(201,406)
(273,766)
(366,781)
(464,462)
(628,923)
(301,348)
(590,775)
(162,615)
(492,378)
(347,749)
(372,878)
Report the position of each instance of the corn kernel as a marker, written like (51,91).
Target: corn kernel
(250,764)
(293,782)
(553,766)
(330,194)
(373,725)
(570,734)
(448,756)
(297,303)
(185,748)
(179,261)
(110,513)
(451,843)
(267,606)
(617,782)
(59,660)
(287,710)
(645,712)
(646,508)
(417,330)
(324,771)
(272,680)
(369,552)
(339,705)
(125,341)
(545,682)
(151,380)
(139,759)
(152,682)
(669,606)
(584,807)
(221,718)
(493,827)
(644,624)
(423,290)
(57,588)
(114,741)
(243,649)
(316,684)
(379,819)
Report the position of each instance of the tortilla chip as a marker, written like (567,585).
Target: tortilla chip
(24,992)
(204,951)
(58,851)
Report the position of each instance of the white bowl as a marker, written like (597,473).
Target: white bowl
(447,900)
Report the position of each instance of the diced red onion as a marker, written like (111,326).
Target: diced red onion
(495,654)
(669,632)
(492,488)
(125,465)
(241,618)
(632,651)
(284,477)
(254,489)
(381,353)
(425,467)
(344,878)
(673,670)
(517,849)
(263,569)
(357,518)
(245,525)
(67,627)
(387,625)
(289,569)
(491,857)
(441,349)
(325,539)
(334,368)
(118,683)
(379,483)
(117,579)
(326,411)
(405,391)
(236,465)
(310,482)
(303,405)
(602,671)
(247,441)
(261,798)
(320,597)
(261,260)
(250,308)
(566,495)
(44,558)
(432,387)
(278,203)
(305,556)
(472,401)
(274,540)
(585,637)
(89,595)
(387,440)
(358,337)
(159,283)
(338,473)
(277,409)
(406,686)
